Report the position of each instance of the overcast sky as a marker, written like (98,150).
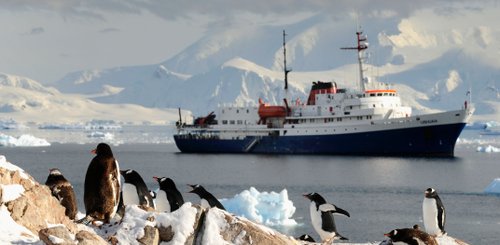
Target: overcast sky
(46,39)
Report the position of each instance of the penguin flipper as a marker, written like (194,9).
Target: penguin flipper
(327,207)
(341,211)
(340,237)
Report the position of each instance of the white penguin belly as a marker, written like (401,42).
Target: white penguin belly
(430,213)
(129,193)
(204,204)
(317,223)
(162,204)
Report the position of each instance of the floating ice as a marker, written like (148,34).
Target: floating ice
(101,135)
(11,124)
(488,149)
(494,187)
(262,207)
(24,140)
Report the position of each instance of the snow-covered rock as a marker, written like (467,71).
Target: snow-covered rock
(24,140)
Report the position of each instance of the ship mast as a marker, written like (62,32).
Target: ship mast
(285,70)
(362,45)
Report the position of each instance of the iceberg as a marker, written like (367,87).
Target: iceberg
(488,149)
(493,187)
(24,140)
(262,207)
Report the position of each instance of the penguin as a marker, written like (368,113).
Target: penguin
(168,198)
(134,190)
(207,199)
(306,238)
(322,217)
(411,237)
(62,189)
(434,214)
(102,186)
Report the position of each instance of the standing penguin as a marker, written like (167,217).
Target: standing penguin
(102,186)
(433,213)
(168,198)
(322,217)
(63,191)
(411,237)
(207,199)
(135,191)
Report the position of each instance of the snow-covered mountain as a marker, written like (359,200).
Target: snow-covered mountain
(26,100)
(432,58)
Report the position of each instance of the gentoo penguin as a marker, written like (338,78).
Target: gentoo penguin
(207,199)
(63,191)
(433,213)
(102,186)
(134,190)
(168,198)
(306,238)
(411,237)
(322,217)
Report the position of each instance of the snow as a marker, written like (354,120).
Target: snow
(267,208)
(24,140)
(56,240)
(13,233)
(12,167)
(214,224)
(493,187)
(11,192)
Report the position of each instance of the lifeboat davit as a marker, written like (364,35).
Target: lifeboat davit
(266,111)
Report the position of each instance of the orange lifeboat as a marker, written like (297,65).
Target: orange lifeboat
(266,111)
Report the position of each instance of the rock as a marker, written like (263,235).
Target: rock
(242,231)
(151,236)
(36,208)
(166,233)
(56,235)
(88,238)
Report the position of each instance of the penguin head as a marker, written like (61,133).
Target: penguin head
(430,193)
(103,149)
(315,197)
(54,172)
(197,189)
(165,183)
(129,174)
(393,235)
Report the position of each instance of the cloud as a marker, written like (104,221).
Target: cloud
(174,9)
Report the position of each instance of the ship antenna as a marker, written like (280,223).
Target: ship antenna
(285,70)
(362,45)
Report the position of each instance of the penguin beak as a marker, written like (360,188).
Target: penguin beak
(94,151)
(156,178)
(192,187)
(307,196)
(386,234)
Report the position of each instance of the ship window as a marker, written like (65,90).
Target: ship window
(239,122)
(237,111)
(222,110)
(339,119)
(372,95)
(379,94)
(347,113)
(248,111)
(385,94)
(224,121)
(231,122)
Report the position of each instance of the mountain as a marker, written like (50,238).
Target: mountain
(432,65)
(26,100)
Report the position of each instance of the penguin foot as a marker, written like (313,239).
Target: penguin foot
(87,220)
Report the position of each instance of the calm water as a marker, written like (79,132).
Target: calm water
(380,193)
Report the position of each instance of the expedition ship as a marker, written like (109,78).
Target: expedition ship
(334,120)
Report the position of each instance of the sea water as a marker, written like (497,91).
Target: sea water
(380,193)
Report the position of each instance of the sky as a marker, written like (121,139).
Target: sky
(46,39)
